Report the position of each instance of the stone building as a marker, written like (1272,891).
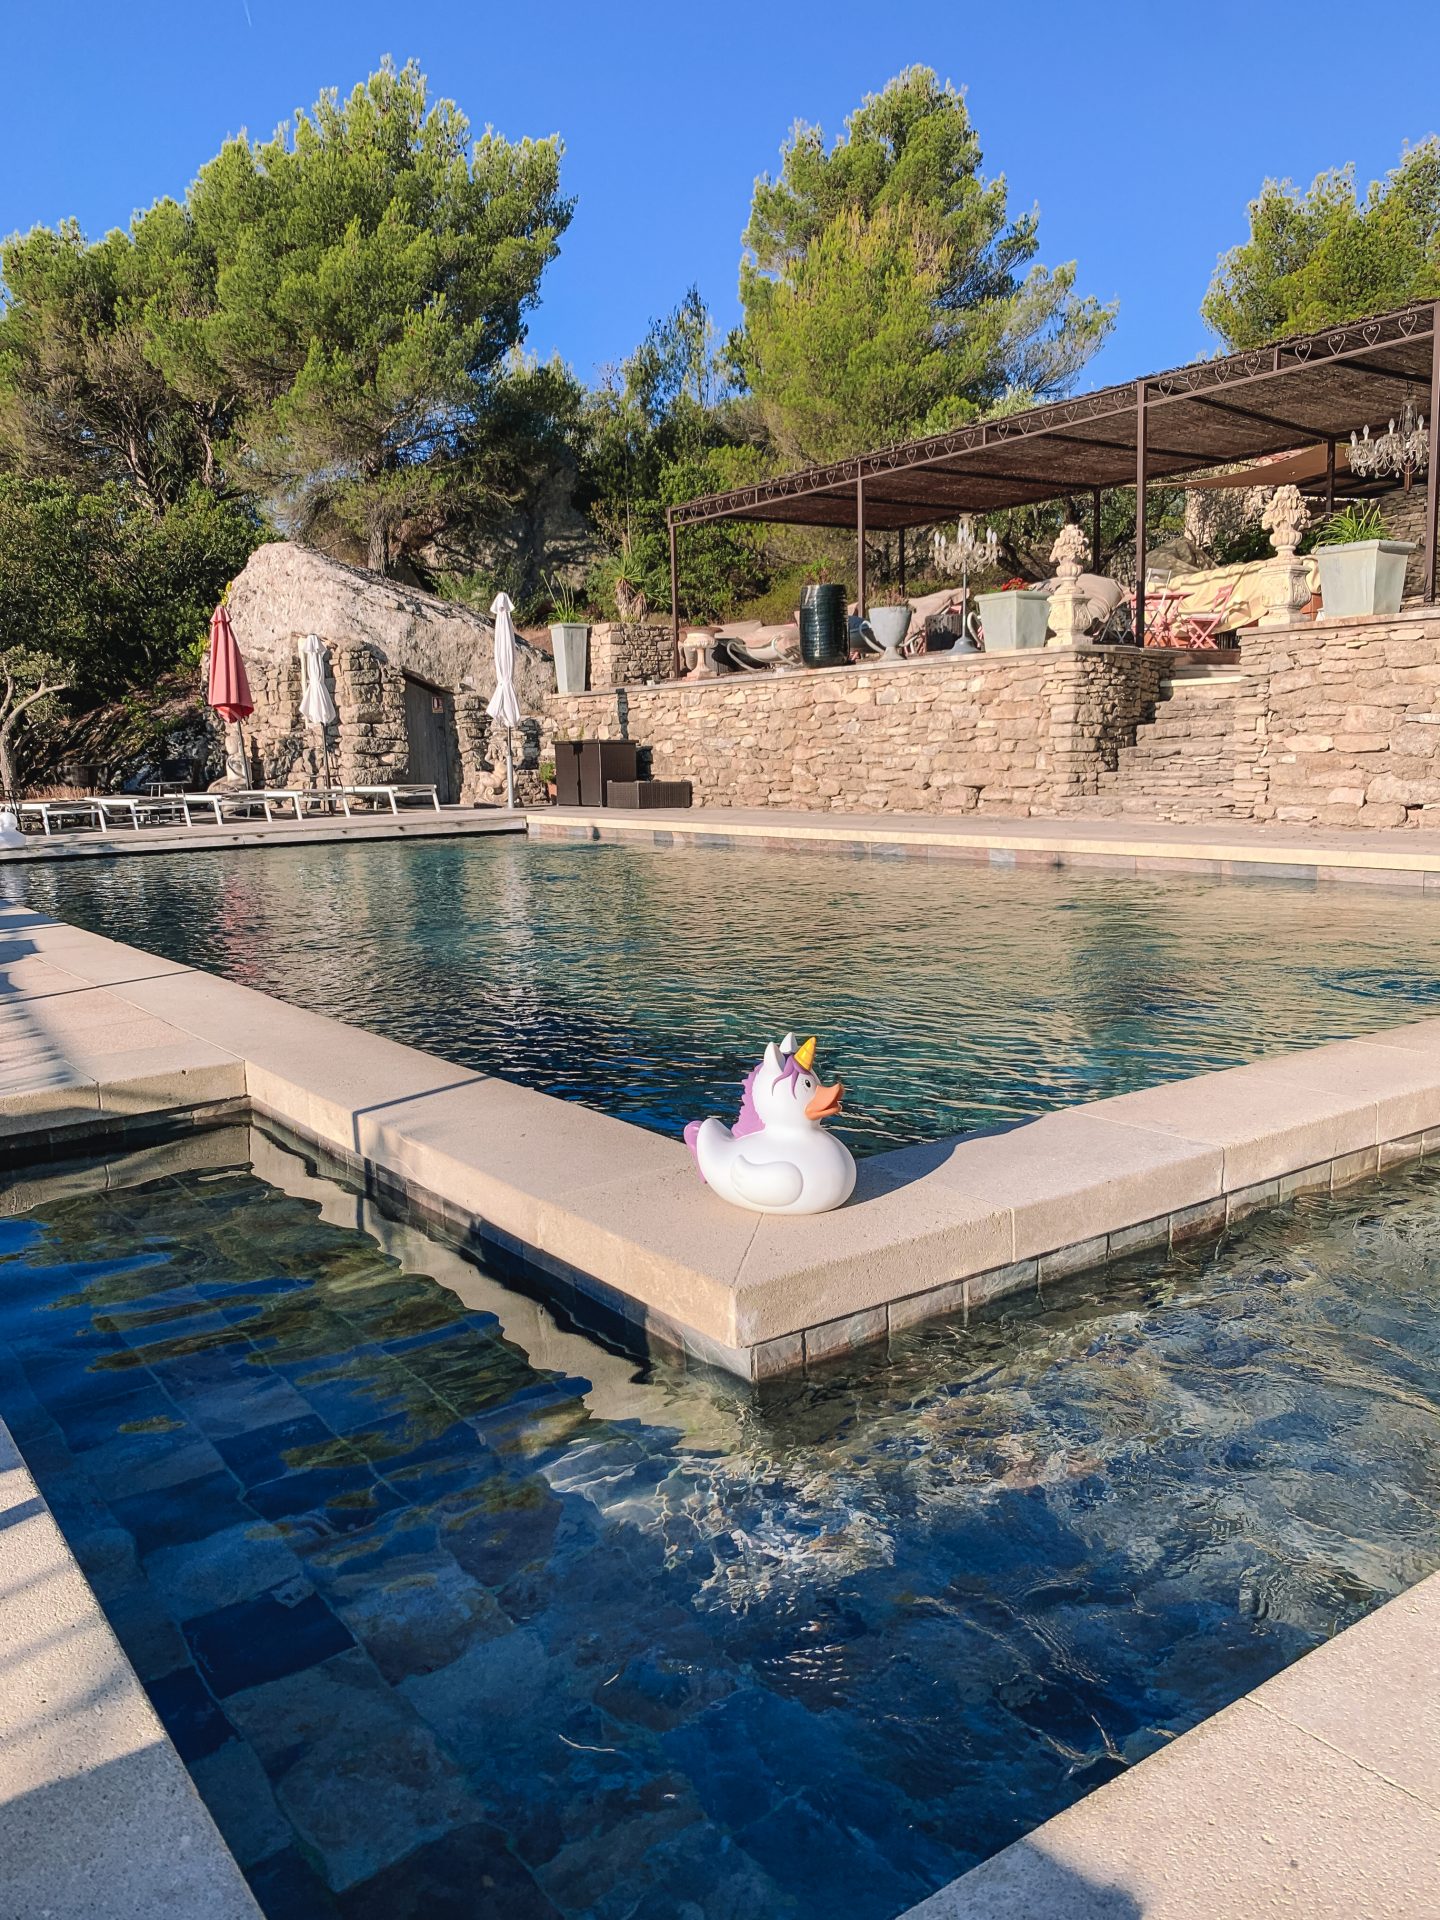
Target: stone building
(410,676)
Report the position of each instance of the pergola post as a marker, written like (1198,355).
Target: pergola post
(1140,427)
(1432,481)
(1095,529)
(901,568)
(1329,477)
(860,547)
(674,592)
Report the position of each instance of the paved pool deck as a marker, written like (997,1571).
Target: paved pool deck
(411,823)
(1315,1796)
(1221,849)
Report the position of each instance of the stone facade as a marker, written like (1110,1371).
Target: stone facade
(376,633)
(1339,725)
(1007,733)
(1334,725)
(630,653)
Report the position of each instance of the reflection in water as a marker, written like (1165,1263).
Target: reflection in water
(430,1610)
(949,997)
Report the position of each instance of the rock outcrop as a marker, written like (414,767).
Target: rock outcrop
(380,637)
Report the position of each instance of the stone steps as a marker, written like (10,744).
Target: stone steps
(1182,764)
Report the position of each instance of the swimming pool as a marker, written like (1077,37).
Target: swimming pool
(433,1599)
(644,982)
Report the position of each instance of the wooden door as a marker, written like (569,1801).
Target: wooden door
(433,742)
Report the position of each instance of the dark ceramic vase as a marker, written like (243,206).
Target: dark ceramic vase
(824,631)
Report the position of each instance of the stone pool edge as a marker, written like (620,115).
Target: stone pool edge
(98,1814)
(104,1034)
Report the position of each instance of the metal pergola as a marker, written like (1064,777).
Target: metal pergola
(1310,390)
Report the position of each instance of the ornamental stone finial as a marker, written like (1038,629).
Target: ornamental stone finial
(1285,519)
(1070,610)
(1070,551)
(1285,584)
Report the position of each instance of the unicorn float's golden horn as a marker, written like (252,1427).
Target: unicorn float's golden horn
(805,1053)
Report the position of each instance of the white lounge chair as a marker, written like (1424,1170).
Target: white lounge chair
(392,792)
(53,811)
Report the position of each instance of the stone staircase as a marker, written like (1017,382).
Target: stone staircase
(1182,765)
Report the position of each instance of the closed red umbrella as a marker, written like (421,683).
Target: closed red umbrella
(228,689)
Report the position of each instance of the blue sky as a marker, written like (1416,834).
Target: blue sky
(1140,131)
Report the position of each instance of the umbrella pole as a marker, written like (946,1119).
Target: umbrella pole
(509,772)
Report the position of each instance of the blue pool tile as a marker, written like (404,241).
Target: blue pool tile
(188,1713)
(237,1563)
(252,1641)
(288,1888)
(337,1499)
(169,1516)
(234,1786)
(469,1875)
(261,1453)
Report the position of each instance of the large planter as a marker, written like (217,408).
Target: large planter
(1012,621)
(570,640)
(824,628)
(889,625)
(1362,577)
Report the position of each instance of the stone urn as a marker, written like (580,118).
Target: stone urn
(1286,584)
(1362,577)
(1014,620)
(570,640)
(1070,609)
(889,625)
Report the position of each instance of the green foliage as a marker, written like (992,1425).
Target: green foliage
(107,592)
(566,607)
(1355,522)
(887,292)
(371,274)
(81,396)
(1322,256)
(661,428)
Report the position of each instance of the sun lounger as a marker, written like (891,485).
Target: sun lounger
(53,812)
(391,793)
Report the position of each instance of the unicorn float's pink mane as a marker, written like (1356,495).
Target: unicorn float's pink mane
(748,1119)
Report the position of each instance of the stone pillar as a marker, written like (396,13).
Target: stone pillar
(1286,584)
(1070,614)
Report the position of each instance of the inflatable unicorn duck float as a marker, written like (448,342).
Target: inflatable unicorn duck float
(778,1158)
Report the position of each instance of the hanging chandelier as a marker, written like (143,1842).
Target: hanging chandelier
(1402,450)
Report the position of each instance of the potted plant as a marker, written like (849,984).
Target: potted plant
(546,771)
(569,637)
(1362,570)
(1013,616)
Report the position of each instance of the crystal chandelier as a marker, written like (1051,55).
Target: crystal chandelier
(968,550)
(1403,449)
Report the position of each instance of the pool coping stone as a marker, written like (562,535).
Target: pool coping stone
(98,1815)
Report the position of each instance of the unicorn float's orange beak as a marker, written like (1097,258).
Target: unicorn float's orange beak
(825,1101)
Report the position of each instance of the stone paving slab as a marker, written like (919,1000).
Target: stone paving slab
(98,1816)
(1222,849)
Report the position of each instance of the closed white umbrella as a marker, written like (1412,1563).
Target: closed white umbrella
(317,709)
(504,705)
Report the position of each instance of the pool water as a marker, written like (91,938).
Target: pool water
(451,1612)
(643,982)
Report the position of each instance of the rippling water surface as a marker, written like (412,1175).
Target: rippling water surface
(451,1611)
(946,996)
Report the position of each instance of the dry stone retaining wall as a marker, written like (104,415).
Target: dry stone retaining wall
(628,653)
(1011,734)
(1339,725)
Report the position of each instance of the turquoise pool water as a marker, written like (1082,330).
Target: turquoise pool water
(451,1613)
(947,997)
